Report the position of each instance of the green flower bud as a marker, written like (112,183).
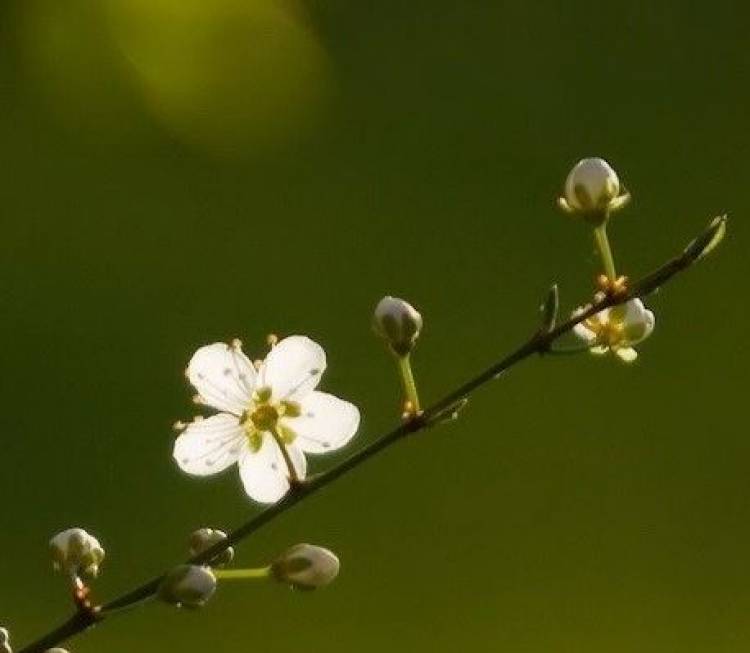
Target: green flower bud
(398,323)
(76,552)
(204,538)
(187,586)
(306,567)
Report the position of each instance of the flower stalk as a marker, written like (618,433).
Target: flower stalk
(243,574)
(605,250)
(412,406)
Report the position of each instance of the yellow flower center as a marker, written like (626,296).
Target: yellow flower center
(263,417)
(610,334)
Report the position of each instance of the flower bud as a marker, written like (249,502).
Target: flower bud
(76,552)
(398,323)
(204,538)
(57,649)
(5,641)
(187,586)
(306,567)
(592,187)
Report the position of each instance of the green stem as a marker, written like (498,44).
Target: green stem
(242,574)
(407,378)
(605,251)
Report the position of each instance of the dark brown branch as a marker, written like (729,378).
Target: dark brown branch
(539,343)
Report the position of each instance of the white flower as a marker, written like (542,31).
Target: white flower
(269,419)
(76,552)
(592,186)
(617,329)
(306,567)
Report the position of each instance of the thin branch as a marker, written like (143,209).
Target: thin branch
(539,343)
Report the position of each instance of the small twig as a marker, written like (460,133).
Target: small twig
(539,343)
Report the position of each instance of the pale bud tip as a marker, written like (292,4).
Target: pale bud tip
(187,586)
(398,323)
(592,188)
(204,538)
(306,567)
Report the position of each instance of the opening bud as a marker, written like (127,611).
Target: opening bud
(306,567)
(593,190)
(187,586)
(398,323)
(77,553)
(204,538)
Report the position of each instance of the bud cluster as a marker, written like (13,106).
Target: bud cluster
(76,552)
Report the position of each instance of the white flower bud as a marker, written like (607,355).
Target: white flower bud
(188,586)
(76,552)
(398,323)
(204,538)
(592,186)
(5,641)
(306,567)
(57,649)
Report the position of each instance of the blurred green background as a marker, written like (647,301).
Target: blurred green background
(177,172)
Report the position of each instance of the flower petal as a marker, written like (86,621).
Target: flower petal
(223,376)
(584,333)
(326,423)
(626,354)
(209,446)
(264,473)
(293,368)
(636,332)
(634,312)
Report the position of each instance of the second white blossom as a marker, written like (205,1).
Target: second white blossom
(617,329)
